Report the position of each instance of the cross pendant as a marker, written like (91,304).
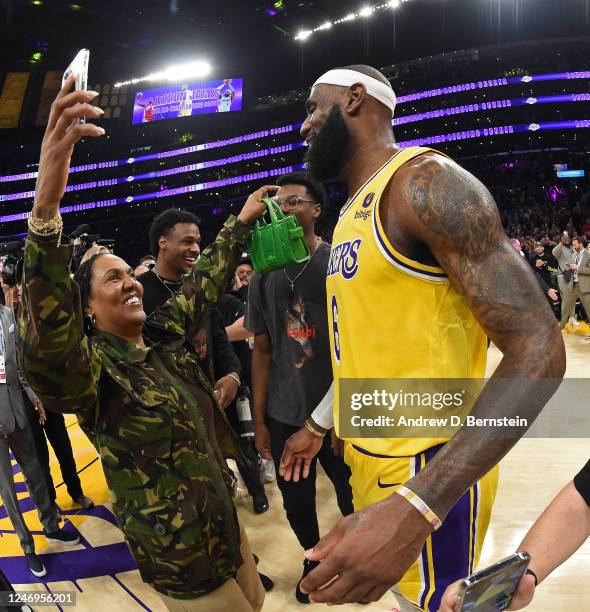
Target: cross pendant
(292,286)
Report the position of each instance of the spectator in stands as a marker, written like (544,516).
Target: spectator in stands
(16,437)
(146,263)
(564,254)
(53,425)
(245,270)
(579,284)
(544,264)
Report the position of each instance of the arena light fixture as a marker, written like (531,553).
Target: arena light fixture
(364,12)
(174,73)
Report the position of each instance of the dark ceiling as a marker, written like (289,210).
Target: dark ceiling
(130,38)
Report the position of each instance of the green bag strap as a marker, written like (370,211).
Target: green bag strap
(274,211)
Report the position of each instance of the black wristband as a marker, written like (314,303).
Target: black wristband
(531,573)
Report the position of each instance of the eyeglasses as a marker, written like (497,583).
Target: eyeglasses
(292,202)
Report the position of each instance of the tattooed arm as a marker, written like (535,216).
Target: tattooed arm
(433,211)
(442,206)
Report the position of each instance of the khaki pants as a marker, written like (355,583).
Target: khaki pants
(567,307)
(244,594)
(569,302)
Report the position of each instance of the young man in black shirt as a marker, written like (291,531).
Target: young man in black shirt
(291,366)
(175,239)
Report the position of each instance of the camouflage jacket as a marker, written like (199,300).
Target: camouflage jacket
(139,406)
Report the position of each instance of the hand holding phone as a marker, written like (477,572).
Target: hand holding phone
(492,589)
(79,68)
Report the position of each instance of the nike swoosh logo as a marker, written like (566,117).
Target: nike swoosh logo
(386,485)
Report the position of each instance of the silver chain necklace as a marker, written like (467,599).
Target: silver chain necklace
(292,280)
(164,284)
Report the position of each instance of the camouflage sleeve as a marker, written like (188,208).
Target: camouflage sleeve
(56,357)
(205,284)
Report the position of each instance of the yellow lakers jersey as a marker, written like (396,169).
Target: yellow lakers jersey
(392,317)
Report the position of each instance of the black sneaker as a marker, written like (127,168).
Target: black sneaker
(307,567)
(37,568)
(267,583)
(260,503)
(84,501)
(62,537)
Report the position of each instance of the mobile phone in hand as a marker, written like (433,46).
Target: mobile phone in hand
(492,589)
(78,67)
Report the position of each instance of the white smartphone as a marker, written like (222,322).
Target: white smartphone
(492,589)
(79,67)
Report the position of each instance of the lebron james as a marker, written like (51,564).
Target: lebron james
(421,274)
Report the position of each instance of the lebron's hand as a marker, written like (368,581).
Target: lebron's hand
(522,598)
(366,553)
(299,451)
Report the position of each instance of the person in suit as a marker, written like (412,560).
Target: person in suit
(51,425)
(16,436)
(564,254)
(579,283)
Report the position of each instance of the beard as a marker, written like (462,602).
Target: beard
(325,158)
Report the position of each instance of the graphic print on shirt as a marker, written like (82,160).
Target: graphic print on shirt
(300,331)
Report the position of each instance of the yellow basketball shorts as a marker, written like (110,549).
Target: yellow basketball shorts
(450,553)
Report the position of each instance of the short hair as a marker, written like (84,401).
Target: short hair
(144,258)
(315,188)
(369,71)
(165,221)
(581,240)
(246,261)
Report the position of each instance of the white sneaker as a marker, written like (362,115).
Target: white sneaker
(269,470)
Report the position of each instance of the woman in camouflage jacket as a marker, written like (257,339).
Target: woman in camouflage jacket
(137,390)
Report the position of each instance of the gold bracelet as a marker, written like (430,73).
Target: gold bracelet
(235,377)
(314,431)
(420,505)
(44,228)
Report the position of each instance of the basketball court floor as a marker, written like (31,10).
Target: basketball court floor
(103,574)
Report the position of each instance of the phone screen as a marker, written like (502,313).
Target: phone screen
(494,592)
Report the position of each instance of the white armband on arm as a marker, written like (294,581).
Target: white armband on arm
(323,414)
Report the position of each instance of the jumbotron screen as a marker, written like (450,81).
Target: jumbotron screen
(186,99)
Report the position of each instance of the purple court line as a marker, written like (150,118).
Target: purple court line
(130,593)
(431,93)
(441,138)
(443,112)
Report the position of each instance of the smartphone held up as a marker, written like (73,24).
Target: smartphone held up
(79,68)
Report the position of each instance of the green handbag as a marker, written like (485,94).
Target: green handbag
(279,243)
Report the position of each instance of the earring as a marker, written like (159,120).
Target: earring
(93,319)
